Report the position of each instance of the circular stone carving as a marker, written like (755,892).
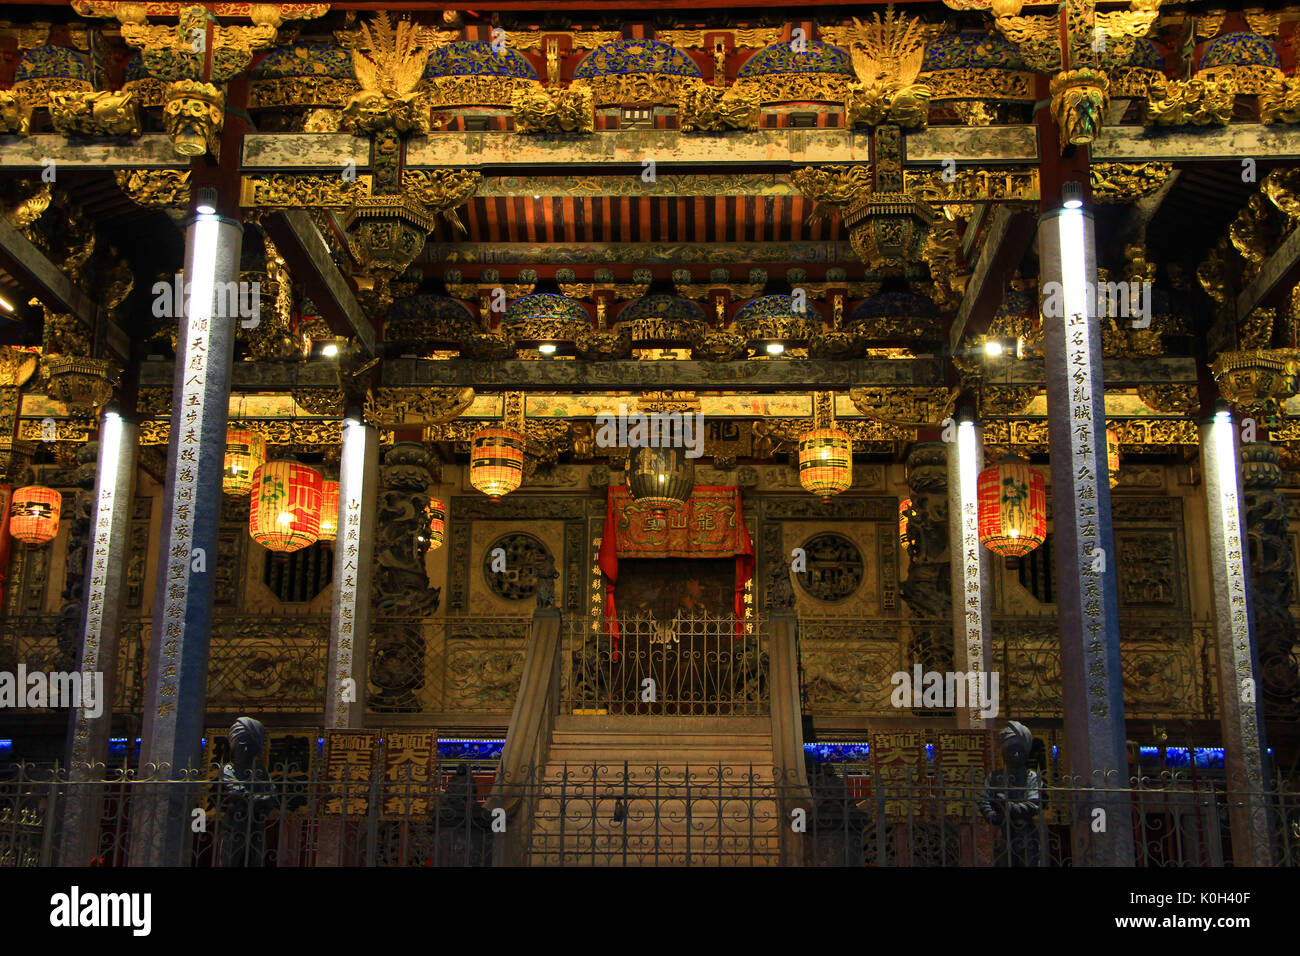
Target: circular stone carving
(524,554)
(834,570)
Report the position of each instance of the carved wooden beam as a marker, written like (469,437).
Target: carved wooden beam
(309,262)
(1281,270)
(1140,144)
(1002,249)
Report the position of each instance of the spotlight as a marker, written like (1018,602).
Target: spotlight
(5,304)
(993,348)
(775,348)
(1072,195)
(331,350)
(207,201)
(547,348)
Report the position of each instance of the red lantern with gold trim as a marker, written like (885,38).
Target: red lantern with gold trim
(284,506)
(329,511)
(904,507)
(34,514)
(1012,508)
(245,453)
(436,512)
(496,461)
(825,461)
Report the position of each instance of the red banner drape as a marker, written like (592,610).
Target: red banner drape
(710,525)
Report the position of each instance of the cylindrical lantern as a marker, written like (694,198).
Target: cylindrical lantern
(329,511)
(284,506)
(1012,508)
(245,453)
(34,514)
(436,512)
(660,479)
(903,507)
(496,461)
(825,461)
(1112,456)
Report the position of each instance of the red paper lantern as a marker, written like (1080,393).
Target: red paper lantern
(496,461)
(903,507)
(245,453)
(436,511)
(329,511)
(34,514)
(284,506)
(1012,508)
(1112,456)
(825,461)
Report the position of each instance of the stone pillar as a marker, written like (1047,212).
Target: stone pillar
(1234,625)
(105,578)
(345,700)
(1272,580)
(1087,597)
(928,588)
(971,597)
(182,614)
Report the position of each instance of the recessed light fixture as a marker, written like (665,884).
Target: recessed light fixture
(775,348)
(547,348)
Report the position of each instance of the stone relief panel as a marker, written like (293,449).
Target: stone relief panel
(511,591)
(482,674)
(842,577)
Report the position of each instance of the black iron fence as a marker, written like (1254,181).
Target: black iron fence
(634,815)
(693,665)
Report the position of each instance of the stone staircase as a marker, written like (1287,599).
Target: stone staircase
(656,791)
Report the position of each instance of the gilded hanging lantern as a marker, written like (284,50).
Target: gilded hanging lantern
(34,514)
(496,461)
(660,479)
(825,461)
(903,507)
(245,453)
(329,511)
(284,506)
(436,512)
(1112,456)
(1012,508)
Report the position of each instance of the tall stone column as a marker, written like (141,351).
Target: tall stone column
(182,613)
(1087,597)
(345,701)
(105,580)
(1234,627)
(928,588)
(970,568)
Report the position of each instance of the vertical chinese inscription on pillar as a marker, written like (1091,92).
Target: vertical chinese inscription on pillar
(970,596)
(1084,464)
(180,547)
(350,539)
(96,593)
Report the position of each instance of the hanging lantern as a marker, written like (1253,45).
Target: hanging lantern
(284,507)
(245,453)
(903,507)
(1112,456)
(660,479)
(496,461)
(825,461)
(329,511)
(436,512)
(34,514)
(1012,508)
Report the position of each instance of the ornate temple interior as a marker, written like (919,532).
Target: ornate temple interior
(578,434)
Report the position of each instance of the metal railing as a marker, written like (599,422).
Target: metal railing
(635,815)
(693,665)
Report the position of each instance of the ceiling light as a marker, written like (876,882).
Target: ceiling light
(993,348)
(775,348)
(330,350)
(547,348)
(1072,195)
(4,304)
(206,205)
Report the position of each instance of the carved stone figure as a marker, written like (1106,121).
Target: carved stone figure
(1011,799)
(546,574)
(928,590)
(247,796)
